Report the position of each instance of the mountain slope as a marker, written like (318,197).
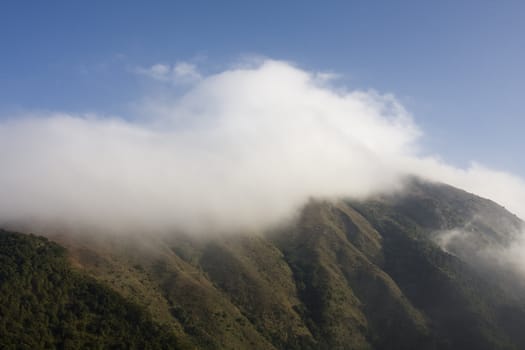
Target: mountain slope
(44,304)
(345,275)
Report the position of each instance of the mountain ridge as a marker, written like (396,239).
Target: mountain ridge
(347,274)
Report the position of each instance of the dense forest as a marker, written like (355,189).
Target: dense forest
(45,304)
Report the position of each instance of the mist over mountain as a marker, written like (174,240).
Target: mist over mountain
(263,175)
(261,207)
(347,274)
(237,150)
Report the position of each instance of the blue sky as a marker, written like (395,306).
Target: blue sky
(456,65)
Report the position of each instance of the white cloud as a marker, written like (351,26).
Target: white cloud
(179,73)
(184,70)
(240,150)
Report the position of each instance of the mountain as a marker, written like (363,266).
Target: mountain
(401,271)
(45,304)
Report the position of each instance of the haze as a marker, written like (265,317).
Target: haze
(239,150)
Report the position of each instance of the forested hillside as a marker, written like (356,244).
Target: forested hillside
(45,305)
(345,275)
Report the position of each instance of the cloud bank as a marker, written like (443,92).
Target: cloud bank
(238,150)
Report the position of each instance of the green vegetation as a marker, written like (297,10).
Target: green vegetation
(345,275)
(46,305)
